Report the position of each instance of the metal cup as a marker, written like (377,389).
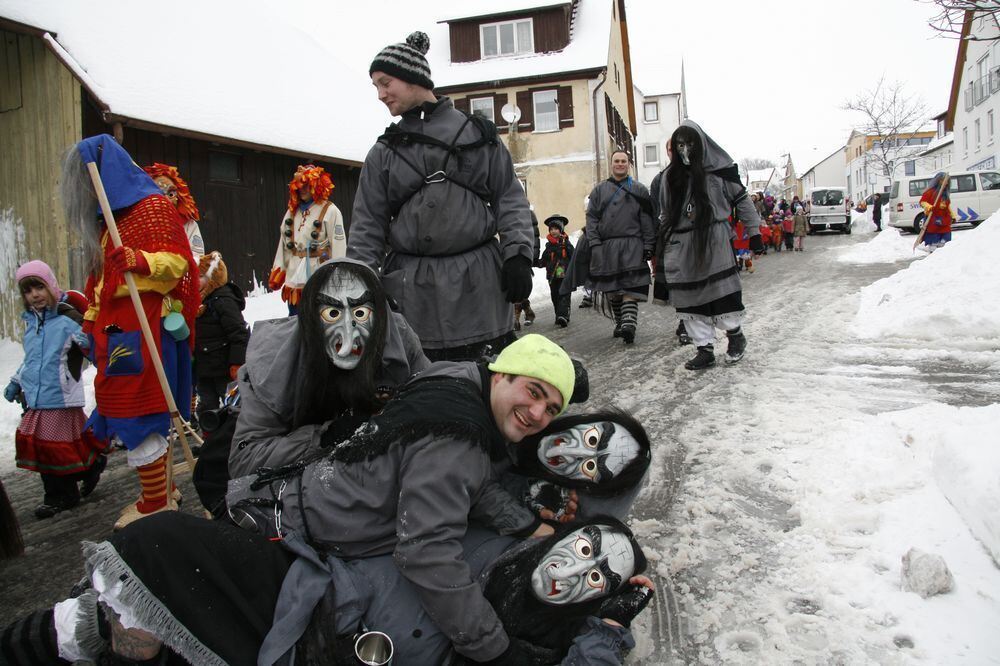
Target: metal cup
(373,648)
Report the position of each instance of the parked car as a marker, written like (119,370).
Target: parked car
(975,195)
(827,210)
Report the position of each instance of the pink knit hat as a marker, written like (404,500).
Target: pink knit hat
(40,269)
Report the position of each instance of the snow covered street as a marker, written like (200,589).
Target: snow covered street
(786,489)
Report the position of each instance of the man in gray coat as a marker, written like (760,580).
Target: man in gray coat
(436,192)
(406,484)
(622,234)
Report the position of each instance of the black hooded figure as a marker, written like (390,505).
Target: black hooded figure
(701,196)
(607,472)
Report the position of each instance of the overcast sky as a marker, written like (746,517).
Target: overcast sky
(766,77)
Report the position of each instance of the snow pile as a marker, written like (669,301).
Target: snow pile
(861,223)
(886,247)
(943,297)
(11,354)
(967,470)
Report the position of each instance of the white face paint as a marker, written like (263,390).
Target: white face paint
(684,148)
(589,451)
(346,314)
(589,563)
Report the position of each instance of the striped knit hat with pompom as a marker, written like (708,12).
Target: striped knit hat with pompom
(406,61)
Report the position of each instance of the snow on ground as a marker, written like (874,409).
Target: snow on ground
(946,296)
(885,247)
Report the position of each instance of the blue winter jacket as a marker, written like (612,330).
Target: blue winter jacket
(45,376)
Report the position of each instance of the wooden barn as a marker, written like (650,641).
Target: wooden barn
(53,92)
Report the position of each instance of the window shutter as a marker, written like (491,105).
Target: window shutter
(461,104)
(499,100)
(565,99)
(526,104)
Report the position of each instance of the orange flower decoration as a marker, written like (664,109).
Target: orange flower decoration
(316,178)
(185,202)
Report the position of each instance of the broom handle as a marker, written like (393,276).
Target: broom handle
(147,334)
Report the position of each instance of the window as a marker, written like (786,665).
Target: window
(482,106)
(651,153)
(966,183)
(225,167)
(508,38)
(918,186)
(651,112)
(979,134)
(546,111)
(991,180)
(909,167)
(989,124)
(965,139)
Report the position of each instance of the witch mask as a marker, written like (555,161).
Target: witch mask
(345,308)
(593,452)
(589,563)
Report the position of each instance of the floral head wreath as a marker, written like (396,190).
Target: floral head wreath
(316,178)
(185,202)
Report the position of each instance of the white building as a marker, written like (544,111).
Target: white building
(975,96)
(866,174)
(940,152)
(659,114)
(762,180)
(827,172)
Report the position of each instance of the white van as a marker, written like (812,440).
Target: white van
(826,209)
(975,195)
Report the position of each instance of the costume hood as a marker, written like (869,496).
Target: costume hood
(715,157)
(124,181)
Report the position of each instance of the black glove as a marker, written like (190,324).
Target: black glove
(515,278)
(341,428)
(757,245)
(647,255)
(623,607)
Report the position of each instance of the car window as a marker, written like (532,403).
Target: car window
(894,194)
(918,186)
(990,179)
(966,183)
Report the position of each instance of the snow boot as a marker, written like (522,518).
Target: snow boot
(705,358)
(630,317)
(616,312)
(682,334)
(737,345)
(562,322)
(93,475)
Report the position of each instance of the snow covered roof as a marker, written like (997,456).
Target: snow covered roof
(590,38)
(508,7)
(939,142)
(760,175)
(227,68)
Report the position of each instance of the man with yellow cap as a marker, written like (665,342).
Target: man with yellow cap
(406,483)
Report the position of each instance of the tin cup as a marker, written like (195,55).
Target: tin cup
(373,648)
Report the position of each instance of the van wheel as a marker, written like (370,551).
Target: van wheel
(847,229)
(918,223)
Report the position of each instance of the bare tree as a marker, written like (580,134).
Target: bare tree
(750,163)
(951,14)
(888,112)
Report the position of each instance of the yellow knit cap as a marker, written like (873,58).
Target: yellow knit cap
(536,356)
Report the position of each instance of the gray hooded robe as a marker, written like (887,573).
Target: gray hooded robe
(689,283)
(435,244)
(620,230)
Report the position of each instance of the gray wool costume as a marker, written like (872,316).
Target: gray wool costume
(264,435)
(413,501)
(434,244)
(689,283)
(619,231)
(371,591)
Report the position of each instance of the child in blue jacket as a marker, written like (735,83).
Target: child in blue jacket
(50,439)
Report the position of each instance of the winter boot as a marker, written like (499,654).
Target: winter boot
(562,322)
(682,334)
(737,345)
(705,358)
(630,317)
(93,475)
(587,301)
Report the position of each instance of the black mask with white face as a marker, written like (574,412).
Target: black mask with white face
(589,563)
(346,315)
